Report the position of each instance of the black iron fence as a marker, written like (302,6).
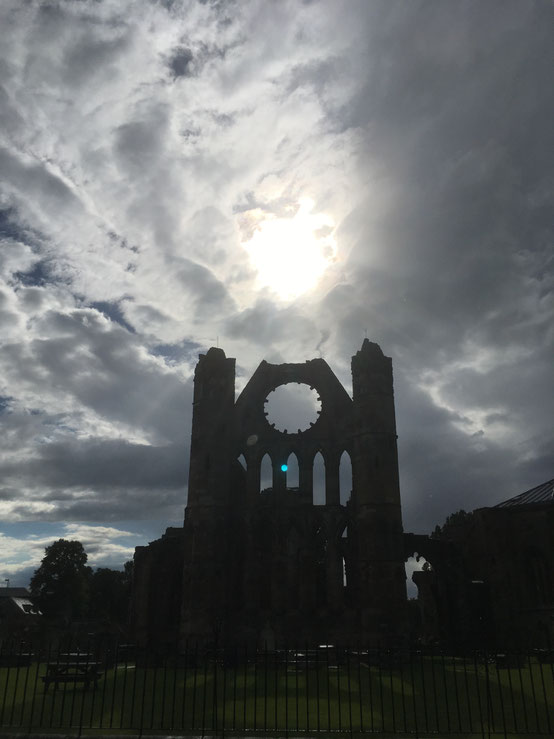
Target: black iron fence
(115,688)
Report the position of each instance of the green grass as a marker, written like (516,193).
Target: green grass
(428,696)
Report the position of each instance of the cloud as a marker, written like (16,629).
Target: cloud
(136,148)
(105,546)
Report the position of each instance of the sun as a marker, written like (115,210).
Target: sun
(291,254)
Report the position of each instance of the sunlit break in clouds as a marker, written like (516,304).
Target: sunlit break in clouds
(290,254)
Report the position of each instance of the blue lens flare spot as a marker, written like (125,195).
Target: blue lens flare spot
(284,467)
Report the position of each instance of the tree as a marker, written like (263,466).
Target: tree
(60,586)
(110,591)
(452,525)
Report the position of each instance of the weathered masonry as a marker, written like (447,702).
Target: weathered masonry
(270,566)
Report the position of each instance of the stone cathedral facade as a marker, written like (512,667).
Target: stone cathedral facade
(269,566)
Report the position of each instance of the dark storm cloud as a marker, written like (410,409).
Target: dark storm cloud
(443,468)
(452,272)
(104,465)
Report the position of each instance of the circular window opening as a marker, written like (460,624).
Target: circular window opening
(292,407)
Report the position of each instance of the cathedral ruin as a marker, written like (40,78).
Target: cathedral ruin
(269,566)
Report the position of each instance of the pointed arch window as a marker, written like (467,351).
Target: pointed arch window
(318,487)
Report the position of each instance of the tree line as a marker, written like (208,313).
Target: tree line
(65,588)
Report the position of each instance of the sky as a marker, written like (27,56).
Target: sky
(281,179)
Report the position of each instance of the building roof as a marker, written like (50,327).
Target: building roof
(536,496)
(14,593)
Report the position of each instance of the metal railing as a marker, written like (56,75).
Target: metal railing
(207,691)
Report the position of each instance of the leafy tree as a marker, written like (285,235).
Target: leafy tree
(452,524)
(110,591)
(60,586)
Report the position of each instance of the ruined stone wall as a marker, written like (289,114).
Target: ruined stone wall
(270,566)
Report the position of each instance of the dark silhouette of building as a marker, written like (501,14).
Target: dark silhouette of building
(270,566)
(491,582)
(18,614)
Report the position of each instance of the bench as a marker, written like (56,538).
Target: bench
(72,672)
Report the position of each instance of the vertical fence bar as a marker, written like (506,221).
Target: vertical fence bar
(235,677)
(360,689)
(390,657)
(286,690)
(370,686)
(215,698)
(96,658)
(277,663)
(533,692)
(194,685)
(434,686)
(245,694)
(307,687)
(337,660)
(164,687)
(44,690)
(25,685)
(445,685)
(224,695)
(185,679)
(466,684)
(510,684)
(423,690)
(154,688)
(256,684)
(5,696)
(456,692)
(296,686)
(524,702)
(17,671)
(500,694)
(124,688)
(204,691)
(114,681)
(53,701)
(381,692)
(547,712)
(414,701)
(73,695)
(316,655)
(478,690)
(175,663)
(104,683)
(67,657)
(402,692)
(37,656)
(142,702)
(328,671)
(348,682)
(490,708)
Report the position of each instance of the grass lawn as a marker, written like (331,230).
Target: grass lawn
(428,696)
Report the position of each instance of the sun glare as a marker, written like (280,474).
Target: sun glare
(291,254)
